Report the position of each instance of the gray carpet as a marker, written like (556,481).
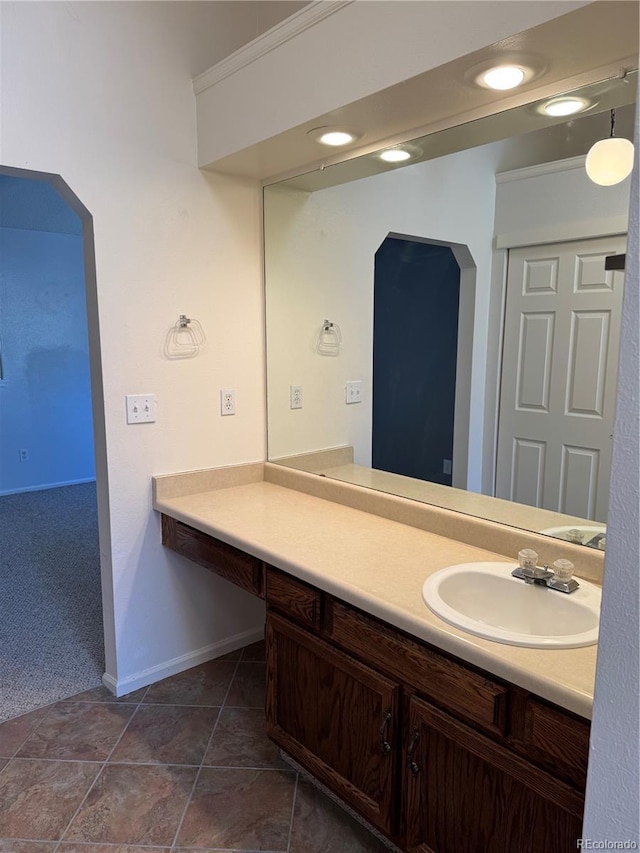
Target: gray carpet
(51,639)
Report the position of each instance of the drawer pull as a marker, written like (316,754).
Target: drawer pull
(411,764)
(385,746)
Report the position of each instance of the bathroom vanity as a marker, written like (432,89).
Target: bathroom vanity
(442,741)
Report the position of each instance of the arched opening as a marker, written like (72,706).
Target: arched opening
(53,490)
(424,299)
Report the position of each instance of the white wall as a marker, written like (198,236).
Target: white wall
(101,94)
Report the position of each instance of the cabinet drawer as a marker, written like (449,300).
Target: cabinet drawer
(555,739)
(225,560)
(293,598)
(460,690)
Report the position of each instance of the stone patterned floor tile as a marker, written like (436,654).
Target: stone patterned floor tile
(240,740)
(14,732)
(134,804)
(248,686)
(76,847)
(254,653)
(167,734)
(78,731)
(10,845)
(3,761)
(39,798)
(321,826)
(233,809)
(231,655)
(206,684)
(101,694)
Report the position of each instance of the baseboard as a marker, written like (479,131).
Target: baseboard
(44,486)
(120,687)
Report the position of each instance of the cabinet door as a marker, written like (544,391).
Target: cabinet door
(335,716)
(467,794)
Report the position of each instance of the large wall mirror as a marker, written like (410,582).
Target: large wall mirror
(446,330)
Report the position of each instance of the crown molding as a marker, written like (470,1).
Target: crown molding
(541,169)
(297,23)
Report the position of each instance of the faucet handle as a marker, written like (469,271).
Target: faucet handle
(528,559)
(562,578)
(563,570)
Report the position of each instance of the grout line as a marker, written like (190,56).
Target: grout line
(33,731)
(98,775)
(293,812)
(206,749)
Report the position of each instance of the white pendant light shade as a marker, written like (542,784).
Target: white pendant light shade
(610,160)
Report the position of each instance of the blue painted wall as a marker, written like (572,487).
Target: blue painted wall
(45,392)
(415,339)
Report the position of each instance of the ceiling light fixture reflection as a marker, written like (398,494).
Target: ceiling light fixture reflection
(394,155)
(503,77)
(333,136)
(567,106)
(610,160)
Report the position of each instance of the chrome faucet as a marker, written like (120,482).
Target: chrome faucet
(559,578)
(534,574)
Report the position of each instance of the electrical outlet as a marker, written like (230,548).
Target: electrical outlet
(353,392)
(295,396)
(446,466)
(24,455)
(141,408)
(227,401)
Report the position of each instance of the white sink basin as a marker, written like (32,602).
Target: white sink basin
(483,599)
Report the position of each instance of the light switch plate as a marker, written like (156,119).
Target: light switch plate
(141,408)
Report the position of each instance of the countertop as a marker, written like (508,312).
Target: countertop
(373,563)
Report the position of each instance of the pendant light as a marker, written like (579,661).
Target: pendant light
(610,160)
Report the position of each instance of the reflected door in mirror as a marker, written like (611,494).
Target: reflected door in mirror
(560,360)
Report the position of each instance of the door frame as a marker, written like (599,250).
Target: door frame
(97,396)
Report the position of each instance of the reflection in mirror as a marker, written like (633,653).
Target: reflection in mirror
(520,432)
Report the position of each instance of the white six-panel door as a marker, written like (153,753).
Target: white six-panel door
(560,361)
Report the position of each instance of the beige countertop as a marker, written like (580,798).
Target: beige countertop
(374,563)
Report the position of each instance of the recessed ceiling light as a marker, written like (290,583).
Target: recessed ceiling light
(565,106)
(503,77)
(394,155)
(333,136)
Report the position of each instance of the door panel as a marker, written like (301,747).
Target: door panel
(560,361)
(467,794)
(335,716)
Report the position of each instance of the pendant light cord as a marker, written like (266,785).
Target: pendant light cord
(613,122)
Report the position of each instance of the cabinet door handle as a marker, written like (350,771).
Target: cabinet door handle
(411,764)
(385,746)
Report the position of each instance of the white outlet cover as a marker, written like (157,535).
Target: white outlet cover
(227,401)
(296,398)
(353,392)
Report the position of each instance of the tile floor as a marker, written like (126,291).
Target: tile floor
(183,765)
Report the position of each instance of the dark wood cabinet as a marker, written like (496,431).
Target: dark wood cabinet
(466,794)
(439,755)
(230,563)
(335,716)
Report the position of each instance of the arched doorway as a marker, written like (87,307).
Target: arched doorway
(52,466)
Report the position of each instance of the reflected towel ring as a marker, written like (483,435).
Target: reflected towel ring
(184,338)
(329,339)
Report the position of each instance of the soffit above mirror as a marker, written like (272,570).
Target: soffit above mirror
(589,44)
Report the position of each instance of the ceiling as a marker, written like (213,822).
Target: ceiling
(582,47)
